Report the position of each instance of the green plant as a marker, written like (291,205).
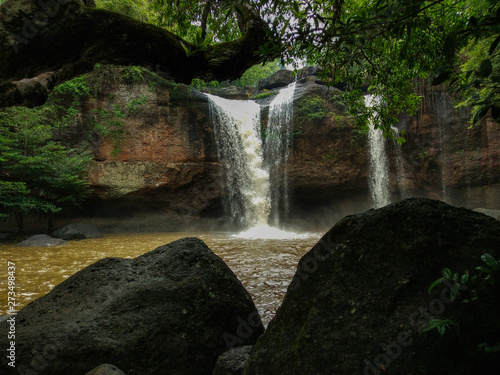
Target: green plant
(133,74)
(441,325)
(200,84)
(266,94)
(78,87)
(134,105)
(110,122)
(484,278)
(312,108)
(200,43)
(253,75)
(40,176)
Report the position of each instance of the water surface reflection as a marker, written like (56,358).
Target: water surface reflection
(264,266)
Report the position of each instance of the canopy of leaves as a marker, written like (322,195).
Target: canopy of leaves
(385,45)
(184,18)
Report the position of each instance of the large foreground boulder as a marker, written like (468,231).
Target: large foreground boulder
(173,310)
(359,302)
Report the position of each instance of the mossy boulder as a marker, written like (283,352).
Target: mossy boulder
(173,310)
(359,301)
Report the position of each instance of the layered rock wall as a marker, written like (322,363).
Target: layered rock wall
(163,174)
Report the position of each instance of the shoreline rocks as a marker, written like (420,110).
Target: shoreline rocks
(41,240)
(175,309)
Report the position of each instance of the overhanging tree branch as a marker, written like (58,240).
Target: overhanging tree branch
(57,40)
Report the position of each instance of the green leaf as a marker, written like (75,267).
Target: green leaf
(478,114)
(464,279)
(434,284)
(441,329)
(490,261)
(446,272)
(483,269)
(486,68)
(494,45)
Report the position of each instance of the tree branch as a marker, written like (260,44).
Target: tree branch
(68,39)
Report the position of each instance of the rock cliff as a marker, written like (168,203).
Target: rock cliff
(163,173)
(442,157)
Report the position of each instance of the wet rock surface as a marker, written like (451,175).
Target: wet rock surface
(41,240)
(233,361)
(106,369)
(174,309)
(359,301)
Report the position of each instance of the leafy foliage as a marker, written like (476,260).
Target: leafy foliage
(384,45)
(257,72)
(142,10)
(265,94)
(199,84)
(312,108)
(474,284)
(37,174)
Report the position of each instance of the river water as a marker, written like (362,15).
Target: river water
(264,266)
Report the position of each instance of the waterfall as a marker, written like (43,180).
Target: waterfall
(278,142)
(379,167)
(401,170)
(443,110)
(237,134)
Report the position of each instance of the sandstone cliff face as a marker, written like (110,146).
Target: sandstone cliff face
(161,171)
(442,158)
(166,174)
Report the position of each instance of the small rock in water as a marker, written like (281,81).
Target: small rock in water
(41,240)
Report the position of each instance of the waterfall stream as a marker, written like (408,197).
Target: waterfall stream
(379,166)
(277,152)
(237,133)
(256,191)
(400,165)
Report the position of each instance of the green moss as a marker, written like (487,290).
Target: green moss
(312,108)
(265,94)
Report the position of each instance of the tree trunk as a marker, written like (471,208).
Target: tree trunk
(51,221)
(19,218)
(42,46)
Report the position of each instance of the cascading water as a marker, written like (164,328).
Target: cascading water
(379,166)
(277,147)
(237,133)
(236,126)
(443,110)
(400,165)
